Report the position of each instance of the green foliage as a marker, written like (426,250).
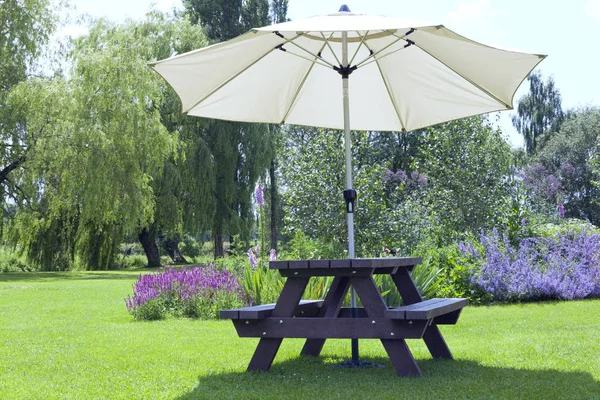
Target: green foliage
(569,157)
(300,247)
(539,113)
(466,162)
(11,261)
(241,153)
(102,150)
(263,285)
(565,227)
(454,272)
(189,246)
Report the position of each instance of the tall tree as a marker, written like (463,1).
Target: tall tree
(25,28)
(241,152)
(278,15)
(539,112)
(104,144)
(563,171)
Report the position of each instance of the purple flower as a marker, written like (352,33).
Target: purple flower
(260,200)
(272,255)
(252,258)
(183,285)
(566,266)
(561,210)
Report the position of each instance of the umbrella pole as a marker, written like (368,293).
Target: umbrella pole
(349,194)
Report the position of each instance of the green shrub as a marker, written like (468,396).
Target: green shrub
(454,272)
(262,284)
(11,261)
(566,226)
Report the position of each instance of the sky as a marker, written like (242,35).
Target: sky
(566,31)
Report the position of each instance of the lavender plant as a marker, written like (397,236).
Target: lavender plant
(566,266)
(198,292)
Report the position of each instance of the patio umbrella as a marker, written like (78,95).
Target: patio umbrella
(402,78)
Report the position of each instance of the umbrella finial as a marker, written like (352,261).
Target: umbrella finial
(344,8)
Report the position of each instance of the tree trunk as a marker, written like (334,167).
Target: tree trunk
(147,241)
(218,242)
(172,248)
(273,206)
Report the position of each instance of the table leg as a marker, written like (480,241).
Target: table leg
(330,309)
(397,349)
(288,300)
(410,294)
(402,359)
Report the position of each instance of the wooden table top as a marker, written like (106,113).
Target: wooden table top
(357,263)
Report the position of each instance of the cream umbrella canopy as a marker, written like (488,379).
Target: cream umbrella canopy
(402,78)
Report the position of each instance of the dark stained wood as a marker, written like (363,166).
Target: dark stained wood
(310,272)
(369,296)
(298,264)
(318,321)
(264,354)
(324,328)
(318,264)
(346,312)
(305,308)
(436,344)
(402,359)
(427,309)
(448,319)
(278,264)
(435,307)
(288,300)
(406,286)
(359,263)
(433,338)
(330,309)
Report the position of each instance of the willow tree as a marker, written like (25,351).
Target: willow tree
(25,28)
(103,143)
(241,152)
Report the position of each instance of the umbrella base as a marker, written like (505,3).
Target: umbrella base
(357,364)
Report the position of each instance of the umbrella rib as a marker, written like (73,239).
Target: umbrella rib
(305,58)
(399,38)
(362,42)
(330,48)
(300,88)
(487,92)
(232,78)
(387,54)
(393,100)
(291,41)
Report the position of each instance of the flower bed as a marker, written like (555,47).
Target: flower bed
(198,292)
(565,266)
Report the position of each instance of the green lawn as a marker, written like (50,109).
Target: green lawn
(68,335)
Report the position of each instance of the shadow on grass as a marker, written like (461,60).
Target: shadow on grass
(310,378)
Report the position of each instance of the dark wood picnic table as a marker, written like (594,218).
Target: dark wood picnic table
(319,320)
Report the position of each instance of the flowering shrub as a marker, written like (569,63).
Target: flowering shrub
(566,266)
(198,292)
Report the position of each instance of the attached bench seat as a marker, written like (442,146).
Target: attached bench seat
(306,308)
(444,311)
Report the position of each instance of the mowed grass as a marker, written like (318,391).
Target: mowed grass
(69,336)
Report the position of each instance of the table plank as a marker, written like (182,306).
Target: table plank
(357,263)
(330,328)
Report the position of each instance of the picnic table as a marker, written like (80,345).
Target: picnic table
(319,320)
